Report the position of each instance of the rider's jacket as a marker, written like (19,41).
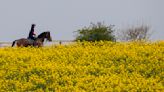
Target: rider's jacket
(32,34)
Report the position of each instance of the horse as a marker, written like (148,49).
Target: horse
(38,42)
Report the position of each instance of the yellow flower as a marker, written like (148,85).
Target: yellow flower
(100,66)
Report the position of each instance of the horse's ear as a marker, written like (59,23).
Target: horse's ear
(48,32)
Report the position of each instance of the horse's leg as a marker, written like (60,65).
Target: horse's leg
(18,44)
(40,44)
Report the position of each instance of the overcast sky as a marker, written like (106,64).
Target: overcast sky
(62,17)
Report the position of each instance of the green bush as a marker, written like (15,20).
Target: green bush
(96,32)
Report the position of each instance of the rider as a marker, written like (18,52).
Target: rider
(32,35)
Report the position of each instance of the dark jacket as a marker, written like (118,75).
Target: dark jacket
(32,34)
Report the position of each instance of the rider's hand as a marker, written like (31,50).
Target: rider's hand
(34,35)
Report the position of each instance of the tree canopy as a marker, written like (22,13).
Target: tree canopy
(96,32)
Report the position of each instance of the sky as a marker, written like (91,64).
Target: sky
(63,17)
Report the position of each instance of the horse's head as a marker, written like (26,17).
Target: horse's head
(48,36)
(45,35)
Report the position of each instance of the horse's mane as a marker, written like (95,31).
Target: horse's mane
(42,34)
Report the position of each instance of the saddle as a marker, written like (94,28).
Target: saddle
(31,41)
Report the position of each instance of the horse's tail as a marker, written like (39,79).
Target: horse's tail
(13,43)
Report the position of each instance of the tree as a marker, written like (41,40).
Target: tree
(96,32)
(136,33)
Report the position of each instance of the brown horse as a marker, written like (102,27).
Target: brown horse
(23,42)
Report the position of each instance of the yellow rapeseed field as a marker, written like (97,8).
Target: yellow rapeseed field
(84,67)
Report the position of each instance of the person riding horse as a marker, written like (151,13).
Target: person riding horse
(32,40)
(24,42)
(32,35)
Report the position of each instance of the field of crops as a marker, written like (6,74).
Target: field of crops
(84,67)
